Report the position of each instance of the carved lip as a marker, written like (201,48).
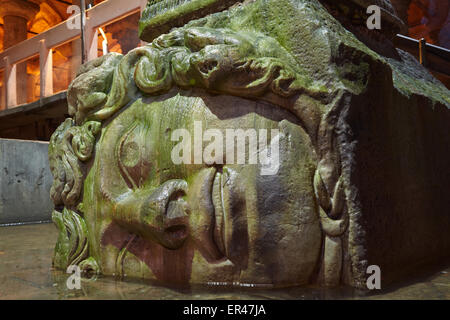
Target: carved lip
(217,197)
(211,234)
(216,236)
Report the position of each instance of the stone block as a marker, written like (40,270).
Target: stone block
(25,182)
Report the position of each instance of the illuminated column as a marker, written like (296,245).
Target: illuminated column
(16,14)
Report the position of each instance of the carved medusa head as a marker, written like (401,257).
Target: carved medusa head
(123,207)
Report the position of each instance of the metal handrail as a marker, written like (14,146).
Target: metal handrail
(431,56)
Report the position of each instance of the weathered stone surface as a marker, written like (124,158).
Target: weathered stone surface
(362,154)
(160,16)
(25,181)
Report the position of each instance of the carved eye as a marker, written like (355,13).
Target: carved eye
(133,161)
(129,154)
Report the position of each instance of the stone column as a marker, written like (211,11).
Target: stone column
(16,14)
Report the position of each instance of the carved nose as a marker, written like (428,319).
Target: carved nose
(166,202)
(176,209)
(166,213)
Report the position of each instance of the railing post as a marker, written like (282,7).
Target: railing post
(46,68)
(3,94)
(423,52)
(91,42)
(10,83)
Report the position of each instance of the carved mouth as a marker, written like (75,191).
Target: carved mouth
(207,225)
(217,196)
(217,237)
(160,16)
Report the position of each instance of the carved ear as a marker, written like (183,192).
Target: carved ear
(69,147)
